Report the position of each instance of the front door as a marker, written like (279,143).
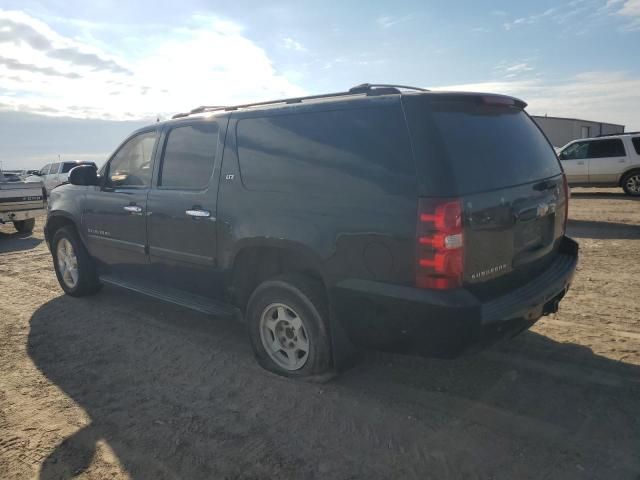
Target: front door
(115,213)
(51,180)
(575,163)
(181,218)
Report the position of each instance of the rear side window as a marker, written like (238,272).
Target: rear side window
(612,147)
(463,146)
(636,144)
(189,155)
(329,151)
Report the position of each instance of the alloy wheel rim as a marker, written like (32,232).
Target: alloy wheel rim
(633,183)
(284,336)
(67,263)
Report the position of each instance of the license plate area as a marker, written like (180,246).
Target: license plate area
(533,234)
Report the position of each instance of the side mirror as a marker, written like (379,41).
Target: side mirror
(84,175)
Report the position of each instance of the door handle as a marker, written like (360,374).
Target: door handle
(580,163)
(198,213)
(133,208)
(622,160)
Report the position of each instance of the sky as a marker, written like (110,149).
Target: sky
(76,76)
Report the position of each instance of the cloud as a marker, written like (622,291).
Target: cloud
(518,68)
(629,9)
(77,57)
(601,96)
(19,29)
(291,44)
(387,21)
(206,61)
(556,15)
(11,64)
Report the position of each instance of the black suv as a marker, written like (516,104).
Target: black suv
(386,217)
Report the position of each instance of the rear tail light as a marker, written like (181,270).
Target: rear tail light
(567,194)
(440,245)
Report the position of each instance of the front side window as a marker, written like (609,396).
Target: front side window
(54,168)
(576,151)
(606,148)
(131,165)
(45,170)
(189,155)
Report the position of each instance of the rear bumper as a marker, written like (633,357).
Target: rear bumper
(445,324)
(18,215)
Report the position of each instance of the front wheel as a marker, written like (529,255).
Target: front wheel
(288,318)
(631,183)
(25,226)
(73,265)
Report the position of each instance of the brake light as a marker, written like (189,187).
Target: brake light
(440,245)
(567,194)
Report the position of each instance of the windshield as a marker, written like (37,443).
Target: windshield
(66,168)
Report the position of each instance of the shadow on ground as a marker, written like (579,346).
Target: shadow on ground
(602,230)
(606,195)
(178,395)
(17,242)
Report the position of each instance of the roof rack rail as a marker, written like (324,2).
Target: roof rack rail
(365,88)
(619,133)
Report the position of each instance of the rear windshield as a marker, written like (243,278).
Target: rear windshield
(481,147)
(66,168)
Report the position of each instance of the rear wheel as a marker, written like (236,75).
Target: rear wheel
(25,226)
(631,183)
(288,319)
(73,265)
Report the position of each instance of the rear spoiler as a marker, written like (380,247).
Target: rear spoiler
(486,98)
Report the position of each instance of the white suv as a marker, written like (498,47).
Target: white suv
(54,174)
(604,161)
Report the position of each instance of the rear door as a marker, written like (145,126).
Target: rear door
(115,213)
(575,162)
(607,159)
(182,206)
(487,152)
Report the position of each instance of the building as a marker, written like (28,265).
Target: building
(562,130)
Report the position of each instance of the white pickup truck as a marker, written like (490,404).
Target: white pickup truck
(605,161)
(20,203)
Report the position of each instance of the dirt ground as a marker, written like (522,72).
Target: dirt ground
(119,386)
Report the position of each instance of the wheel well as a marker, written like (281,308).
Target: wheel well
(56,223)
(622,177)
(254,265)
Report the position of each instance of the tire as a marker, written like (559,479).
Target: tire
(631,183)
(85,281)
(25,226)
(291,311)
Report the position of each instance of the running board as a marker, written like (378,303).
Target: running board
(177,297)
